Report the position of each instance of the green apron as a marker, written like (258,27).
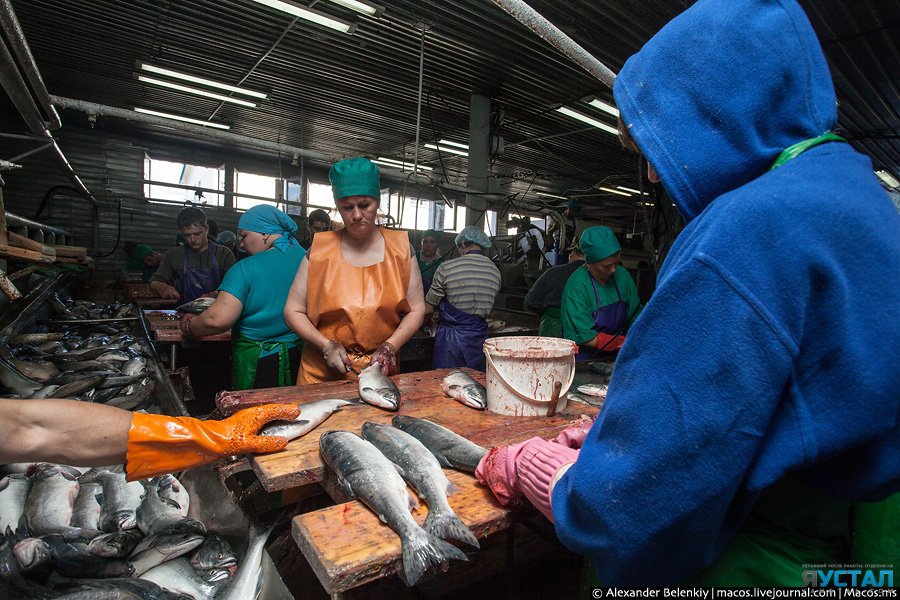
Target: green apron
(876,532)
(551,322)
(245,355)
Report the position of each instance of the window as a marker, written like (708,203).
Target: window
(251,190)
(179,174)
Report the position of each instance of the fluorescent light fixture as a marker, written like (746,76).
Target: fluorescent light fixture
(396,164)
(200,80)
(191,90)
(547,195)
(298,10)
(156,113)
(612,191)
(888,179)
(607,108)
(627,189)
(366,8)
(586,119)
(454,144)
(447,149)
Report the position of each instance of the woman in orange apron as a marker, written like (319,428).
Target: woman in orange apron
(355,299)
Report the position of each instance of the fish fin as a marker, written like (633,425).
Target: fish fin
(422,550)
(449,527)
(451,488)
(346,487)
(412,501)
(302,421)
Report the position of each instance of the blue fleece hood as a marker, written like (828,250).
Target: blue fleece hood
(781,96)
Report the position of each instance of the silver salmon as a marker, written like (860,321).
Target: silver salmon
(196,306)
(311,416)
(422,470)
(364,473)
(376,389)
(247,580)
(13,496)
(451,449)
(460,386)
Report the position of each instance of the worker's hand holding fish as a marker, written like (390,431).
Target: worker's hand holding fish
(335,356)
(158,444)
(386,356)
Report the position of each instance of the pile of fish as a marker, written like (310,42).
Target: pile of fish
(372,469)
(74,531)
(64,307)
(197,306)
(96,367)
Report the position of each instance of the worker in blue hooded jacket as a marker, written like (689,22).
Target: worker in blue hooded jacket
(265,352)
(758,393)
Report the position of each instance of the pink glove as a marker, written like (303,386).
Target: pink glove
(528,468)
(573,437)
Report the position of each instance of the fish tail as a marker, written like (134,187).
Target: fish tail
(449,527)
(422,550)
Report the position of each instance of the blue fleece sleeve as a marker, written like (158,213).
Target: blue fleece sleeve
(655,494)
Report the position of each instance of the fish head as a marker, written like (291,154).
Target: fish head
(474,396)
(175,543)
(32,553)
(381,397)
(125,519)
(215,552)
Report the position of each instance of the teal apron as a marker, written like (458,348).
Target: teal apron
(245,355)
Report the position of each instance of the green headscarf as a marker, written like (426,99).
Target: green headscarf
(598,243)
(355,177)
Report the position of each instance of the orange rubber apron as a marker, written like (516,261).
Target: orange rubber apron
(360,307)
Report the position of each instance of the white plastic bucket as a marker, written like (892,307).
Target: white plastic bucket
(521,372)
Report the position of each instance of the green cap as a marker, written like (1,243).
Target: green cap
(573,205)
(355,177)
(598,243)
(430,233)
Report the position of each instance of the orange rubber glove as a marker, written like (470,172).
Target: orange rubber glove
(158,444)
(607,343)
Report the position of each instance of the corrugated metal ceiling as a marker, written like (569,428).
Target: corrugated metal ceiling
(344,94)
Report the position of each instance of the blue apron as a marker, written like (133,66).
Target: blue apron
(459,339)
(196,282)
(609,319)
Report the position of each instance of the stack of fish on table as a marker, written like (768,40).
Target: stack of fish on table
(102,363)
(372,469)
(77,532)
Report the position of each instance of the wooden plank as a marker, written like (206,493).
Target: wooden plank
(23,242)
(86,261)
(165,327)
(347,545)
(70,251)
(301,464)
(15,253)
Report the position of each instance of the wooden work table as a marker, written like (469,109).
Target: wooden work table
(346,544)
(165,329)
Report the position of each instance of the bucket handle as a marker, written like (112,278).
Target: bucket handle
(563,390)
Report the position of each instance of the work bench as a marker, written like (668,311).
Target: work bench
(347,545)
(164,327)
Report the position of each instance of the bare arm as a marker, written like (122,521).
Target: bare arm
(220,316)
(295,309)
(63,431)
(412,320)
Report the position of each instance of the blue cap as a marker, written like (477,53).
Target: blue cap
(355,177)
(473,235)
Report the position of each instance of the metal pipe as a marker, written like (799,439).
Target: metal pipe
(529,17)
(12,81)
(17,221)
(16,38)
(92,108)
(43,146)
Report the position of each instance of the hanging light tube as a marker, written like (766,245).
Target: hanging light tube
(164,115)
(396,164)
(586,119)
(607,108)
(197,91)
(454,144)
(548,195)
(447,149)
(612,191)
(207,82)
(366,8)
(887,178)
(627,189)
(298,10)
